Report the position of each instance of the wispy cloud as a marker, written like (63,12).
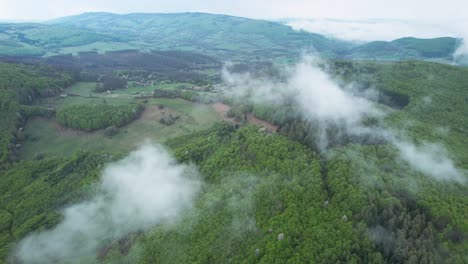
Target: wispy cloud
(144,189)
(430,159)
(373,30)
(320,100)
(360,31)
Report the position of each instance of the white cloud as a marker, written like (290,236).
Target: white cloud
(322,101)
(387,30)
(372,30)
(430,159)
(136,193)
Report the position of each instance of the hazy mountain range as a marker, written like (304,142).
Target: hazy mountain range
(227,37)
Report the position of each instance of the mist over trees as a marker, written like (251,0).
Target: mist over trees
(245,150)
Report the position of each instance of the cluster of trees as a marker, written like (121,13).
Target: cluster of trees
(168,120)
(33,193)
(293,125)
(271,200)
(259,69)
(433,96)
(156,61)
(20,85)
(169,66)
(109,83)
(166,93)
(237,114)
(92,117)
(267,199)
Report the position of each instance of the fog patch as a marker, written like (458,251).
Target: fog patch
(430,159)
(314,94)
(322,99)
(461,54)
(373,29)
(256,89)
(383,238)
(236,196)
(144,189)
(241,204)
(427,100)
(362,31)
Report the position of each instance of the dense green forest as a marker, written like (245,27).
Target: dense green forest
(430,96)
(20,85)
(32,193)
(92,117)
(267,197)
(262,185)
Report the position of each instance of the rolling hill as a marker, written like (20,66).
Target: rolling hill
(406,48)
(222,36)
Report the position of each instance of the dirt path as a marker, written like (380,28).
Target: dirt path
(253,120)
(222,110)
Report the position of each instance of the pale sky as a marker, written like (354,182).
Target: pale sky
(432,10)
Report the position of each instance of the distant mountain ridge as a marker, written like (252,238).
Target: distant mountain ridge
(223,36)
(406,48)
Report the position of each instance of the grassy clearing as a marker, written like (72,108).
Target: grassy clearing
(86,95)
(87,89)
(83,88)
(48,137)
(113,100)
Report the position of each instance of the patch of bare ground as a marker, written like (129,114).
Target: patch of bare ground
(222,110)
(255,121)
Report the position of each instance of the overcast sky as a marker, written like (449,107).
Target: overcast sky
(433,10)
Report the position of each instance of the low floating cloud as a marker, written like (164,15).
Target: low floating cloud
(314,94)
(373,29)
(312,89)
(145,189)
(461,54)
(320,100)
(430,159)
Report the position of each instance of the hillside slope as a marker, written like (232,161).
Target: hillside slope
(222,36)
(406,48)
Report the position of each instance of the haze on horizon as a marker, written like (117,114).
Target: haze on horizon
(450,10)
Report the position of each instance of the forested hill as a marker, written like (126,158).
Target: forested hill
(406,48)
(222,36)
(19,86)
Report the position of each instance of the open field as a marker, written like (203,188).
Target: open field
(87,89)
(83,92)
(48,137)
